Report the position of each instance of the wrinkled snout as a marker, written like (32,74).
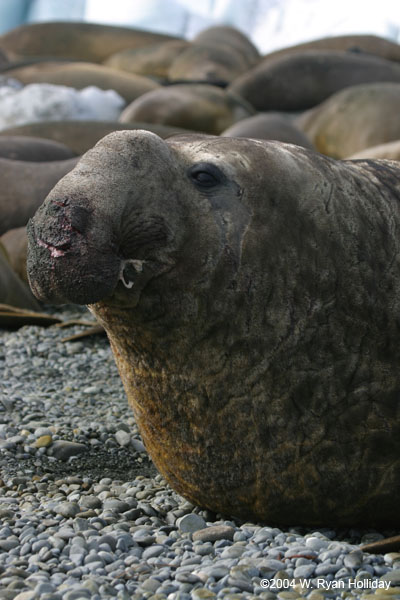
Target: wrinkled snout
(71,255)
(101,221)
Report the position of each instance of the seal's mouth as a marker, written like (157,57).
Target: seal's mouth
(54,251)
(68,264)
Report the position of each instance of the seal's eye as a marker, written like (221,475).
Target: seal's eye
(205,175)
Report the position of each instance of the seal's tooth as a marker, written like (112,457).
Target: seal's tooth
(127,284)
(137,265)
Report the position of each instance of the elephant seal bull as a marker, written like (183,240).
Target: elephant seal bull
(82,74)
(361,43)
(13,291)
(269,126)
(91,42)
(31,149)
(354,119)
(24,186)
(314,75)
(15,244)
(251,294)
(201,107)
(217,55)
(80,135)
(390,150)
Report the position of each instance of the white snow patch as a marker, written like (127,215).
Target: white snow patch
(48,102)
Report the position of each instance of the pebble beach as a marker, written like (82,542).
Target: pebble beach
(84,513)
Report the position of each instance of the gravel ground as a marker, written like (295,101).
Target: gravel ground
(84,514)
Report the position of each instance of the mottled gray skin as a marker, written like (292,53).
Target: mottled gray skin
(259,341)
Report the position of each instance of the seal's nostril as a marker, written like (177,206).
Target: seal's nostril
(71,218)
(79,219)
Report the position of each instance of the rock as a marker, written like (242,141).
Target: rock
(354,559)
(67,509)
(304,571)
(115,505)
(123,438)
(392,576)
(202,594)
(190,523)
(43,441)
(90,502)
(64,449)
(214,533)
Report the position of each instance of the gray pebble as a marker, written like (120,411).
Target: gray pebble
(326,568)
(316,543)
(138,445)
(190,523)
(344,573)
(79,593)
(304,571)
(150,585)
(392,576)
(123,438)
(214,533)
(67,509)
(115,505)
(353,559)
(203,594)
(7,545)
(64,449)
(90,502)
(152,551)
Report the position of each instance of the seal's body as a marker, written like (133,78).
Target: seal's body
(251,294)
(24,185)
